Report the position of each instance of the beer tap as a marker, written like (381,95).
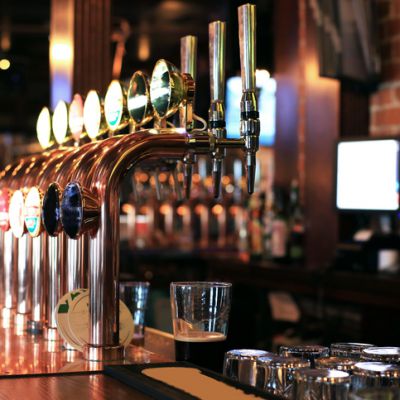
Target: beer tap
(216,113)
(99,188)
(188,69)
(250,123)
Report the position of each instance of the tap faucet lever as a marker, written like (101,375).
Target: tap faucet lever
(188,69)
(216,112)
(250,123)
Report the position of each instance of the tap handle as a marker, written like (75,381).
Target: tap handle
(187,176)
(189,55)
(250,123)
(247,42)
(216,175)
(177,185)
(217,40)
(157,185)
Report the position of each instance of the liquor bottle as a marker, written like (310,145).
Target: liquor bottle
(296,225)
(279,229)
(255,229)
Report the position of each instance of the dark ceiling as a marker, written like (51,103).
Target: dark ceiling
(24,87)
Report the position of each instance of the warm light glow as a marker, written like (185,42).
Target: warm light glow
(199,209)
(196,178)
(162,177)
(127,208)
(144,47)
(61,52)
(217,209)
(143,177)
(165,209)
(144,210)
(4,64)
(225,180)
(182,211)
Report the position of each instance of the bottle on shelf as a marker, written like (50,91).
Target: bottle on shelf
(279,238)
(296,225)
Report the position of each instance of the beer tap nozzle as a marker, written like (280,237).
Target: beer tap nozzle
(250,123)
(216,113)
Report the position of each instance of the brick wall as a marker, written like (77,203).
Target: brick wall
(385,102)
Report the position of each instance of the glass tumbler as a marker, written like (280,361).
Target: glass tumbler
(349,350)
(305,352)
(240,365)
(339,363)
(376,394)
(389,355)
(275,374)
(200,316)
(135,295)
(321,384)
(375,375)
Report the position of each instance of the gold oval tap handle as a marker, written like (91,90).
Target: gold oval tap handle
(247,42)
(217,46)
(189,55)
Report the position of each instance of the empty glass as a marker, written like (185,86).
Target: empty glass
(374,375)
(321,384)
(349,350)
(240,365)
(376,394)
(200,316)
(305,352)
(339,363)
(134,295)
(275,374)
(389,355)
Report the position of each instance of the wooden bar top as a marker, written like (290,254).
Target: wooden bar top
(43,374)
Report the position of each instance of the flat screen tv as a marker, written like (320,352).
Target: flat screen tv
(367,175)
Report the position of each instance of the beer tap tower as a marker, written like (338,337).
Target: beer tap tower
(92,204)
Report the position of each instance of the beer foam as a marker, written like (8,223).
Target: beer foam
(200,337)
(194,382)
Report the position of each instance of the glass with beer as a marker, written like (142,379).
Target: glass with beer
(200,315)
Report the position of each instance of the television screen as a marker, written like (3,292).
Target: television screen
(367,175)
(266,89)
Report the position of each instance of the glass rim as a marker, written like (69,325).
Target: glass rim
(134,283)
(205,284)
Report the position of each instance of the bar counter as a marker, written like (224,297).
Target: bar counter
(58,378)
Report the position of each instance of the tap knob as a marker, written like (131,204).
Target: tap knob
(250,123)
(216,113)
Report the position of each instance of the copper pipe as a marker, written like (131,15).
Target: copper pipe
(66,256)
(105,177)
(40,250)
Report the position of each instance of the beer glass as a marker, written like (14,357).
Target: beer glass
(349,350)
(321,384)
(375,375)
(305,352)
(275,374)
(240,365)
(200,315)
(376,394)
(134,295)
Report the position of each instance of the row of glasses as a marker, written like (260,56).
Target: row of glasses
(200,314)
(308,372)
